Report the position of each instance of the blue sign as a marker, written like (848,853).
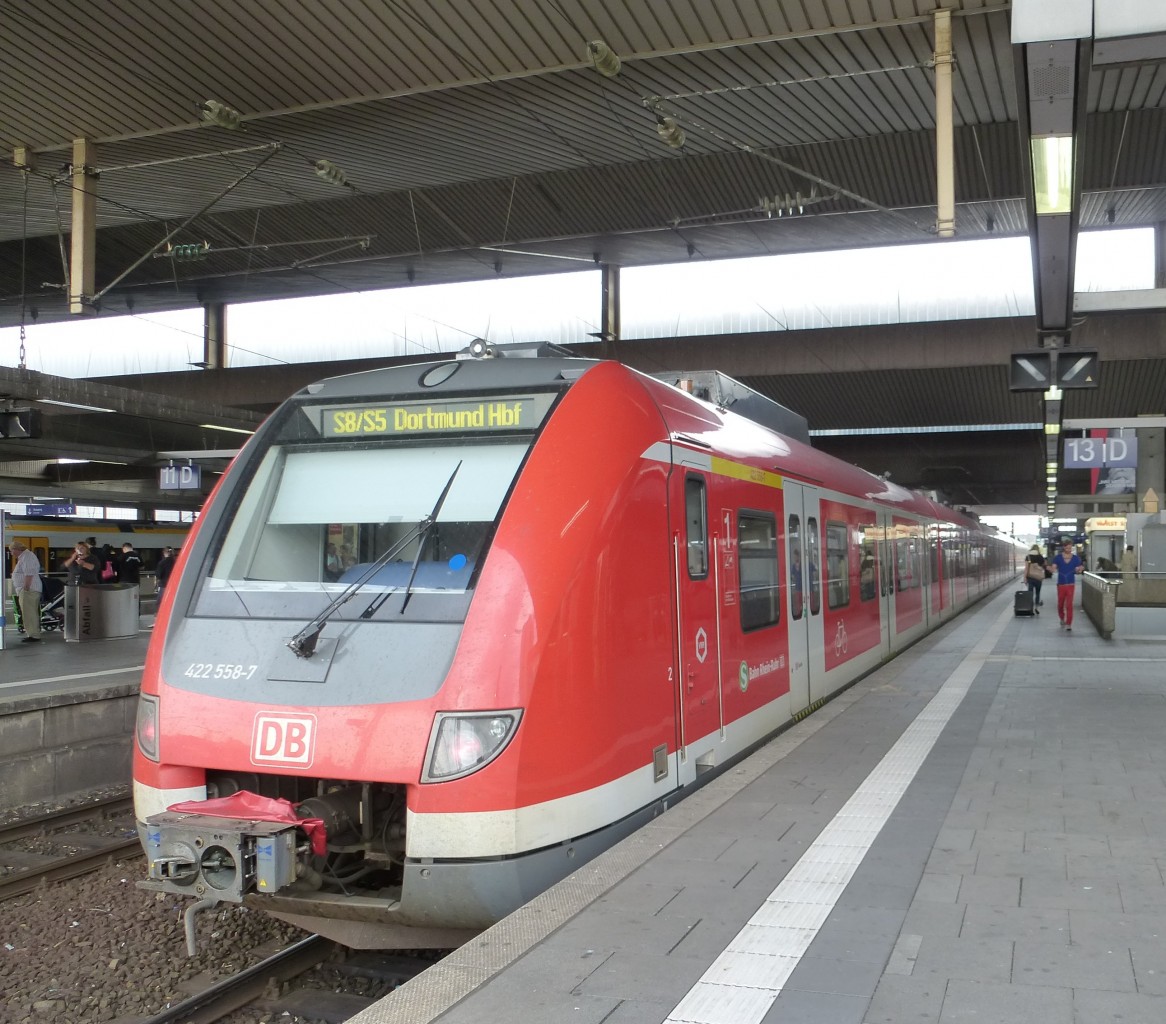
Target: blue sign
(180,478)
(1100,452)
(52,508)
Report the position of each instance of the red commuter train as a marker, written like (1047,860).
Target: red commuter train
(445,631)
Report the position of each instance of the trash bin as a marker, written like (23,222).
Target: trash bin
(104,611)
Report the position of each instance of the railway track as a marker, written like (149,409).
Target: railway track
(263,984)
(233,993)
(64,854)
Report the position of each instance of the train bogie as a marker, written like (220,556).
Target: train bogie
(481,619)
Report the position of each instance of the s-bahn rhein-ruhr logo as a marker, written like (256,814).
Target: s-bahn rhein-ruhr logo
(283,739)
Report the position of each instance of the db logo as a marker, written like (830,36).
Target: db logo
(285,740)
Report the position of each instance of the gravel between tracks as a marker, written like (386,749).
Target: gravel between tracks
(98,949)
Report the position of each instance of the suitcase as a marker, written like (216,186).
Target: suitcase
(1022,602)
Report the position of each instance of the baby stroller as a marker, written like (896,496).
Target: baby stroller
(52,603)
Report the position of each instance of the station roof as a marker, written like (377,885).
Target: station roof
(382,143)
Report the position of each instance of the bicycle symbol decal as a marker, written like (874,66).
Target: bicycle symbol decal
(840,640)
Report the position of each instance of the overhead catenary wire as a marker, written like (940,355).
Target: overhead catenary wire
(133,266)
(670,125)
(655,104)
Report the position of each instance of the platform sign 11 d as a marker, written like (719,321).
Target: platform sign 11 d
(180,478)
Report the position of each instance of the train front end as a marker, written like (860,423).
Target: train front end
(317,672)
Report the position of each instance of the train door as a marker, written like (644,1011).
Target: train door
(886,559)
(700,563)
(936,576)
(802,583)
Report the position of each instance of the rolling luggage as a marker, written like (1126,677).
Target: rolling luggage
(1022,602)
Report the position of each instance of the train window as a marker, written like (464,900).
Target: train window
(813,576)
(837,565)
(910,563)
(796,573)
(368,502)
(757,562)
(866,571)
(697,520)
(867,566)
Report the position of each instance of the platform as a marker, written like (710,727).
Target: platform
(67,714)
(975,832)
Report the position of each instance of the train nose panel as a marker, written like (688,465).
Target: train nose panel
(222,858)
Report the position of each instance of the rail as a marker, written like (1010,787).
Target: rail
(230,994)
(88,853)
(40,824)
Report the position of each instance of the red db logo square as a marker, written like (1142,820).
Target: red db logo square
(284,740)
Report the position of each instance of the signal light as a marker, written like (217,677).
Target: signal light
(20,423)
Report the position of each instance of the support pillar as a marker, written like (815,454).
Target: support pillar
(214,336)
(83,261)
(609,314)
(1151,471)
(944,133)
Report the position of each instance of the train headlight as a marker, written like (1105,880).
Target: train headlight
(461,744)
(146,729)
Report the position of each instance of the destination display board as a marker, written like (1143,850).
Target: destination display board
(403,419)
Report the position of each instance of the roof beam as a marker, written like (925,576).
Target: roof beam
(31,386)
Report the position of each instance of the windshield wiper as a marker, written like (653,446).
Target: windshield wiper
(303,644)
(425,526)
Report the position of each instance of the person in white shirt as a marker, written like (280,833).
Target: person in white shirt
(27,587)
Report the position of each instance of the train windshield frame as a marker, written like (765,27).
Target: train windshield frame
(340,487)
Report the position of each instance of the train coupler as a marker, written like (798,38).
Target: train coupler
(218,858)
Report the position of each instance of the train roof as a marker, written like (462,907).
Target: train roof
(485,366)
(518,366)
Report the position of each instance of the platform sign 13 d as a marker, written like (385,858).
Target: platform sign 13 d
(1100,452)
(180,478)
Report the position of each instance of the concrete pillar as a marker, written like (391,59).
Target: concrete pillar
(609,313)
(1151,471)
(214,336)
(83,261)
(944,135)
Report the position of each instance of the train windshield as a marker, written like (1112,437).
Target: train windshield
(314,519)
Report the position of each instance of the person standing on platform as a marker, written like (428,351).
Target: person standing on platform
(164,569)
(27,586)
(1034,576)
(1068,566)
(9,562)
(129,566)
(82,566)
